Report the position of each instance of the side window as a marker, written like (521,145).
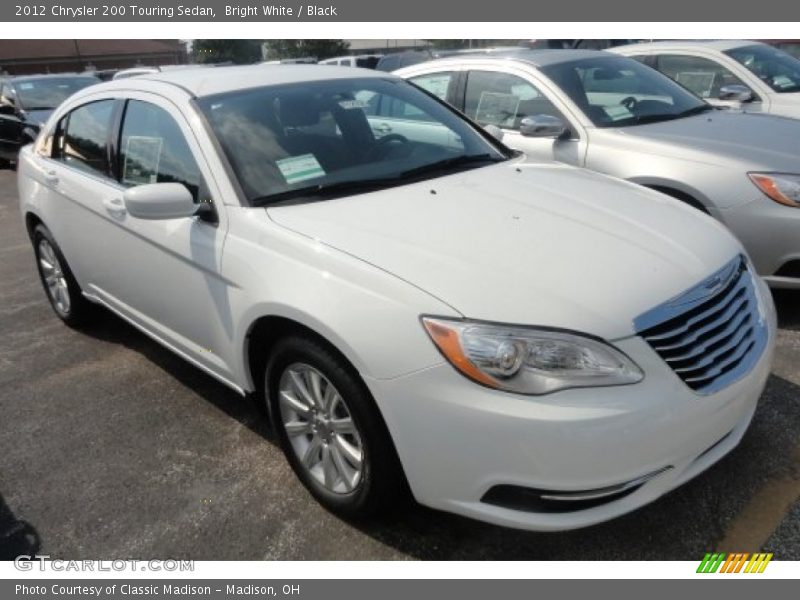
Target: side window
(83,136)
(153,150)
(437,84)
(504,100)
(702,76)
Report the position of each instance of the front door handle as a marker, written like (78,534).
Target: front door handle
(51,178)
(115,206)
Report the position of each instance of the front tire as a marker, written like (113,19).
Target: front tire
(330,430)
(60,286)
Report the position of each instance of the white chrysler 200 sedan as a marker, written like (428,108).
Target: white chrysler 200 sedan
(533,345)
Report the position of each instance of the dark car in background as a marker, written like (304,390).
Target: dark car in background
(27,101)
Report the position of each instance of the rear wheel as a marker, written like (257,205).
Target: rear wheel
(59,284)
(330,429)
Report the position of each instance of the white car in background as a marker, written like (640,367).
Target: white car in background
(612,114)
(752,76)
(536,346)
(365,61)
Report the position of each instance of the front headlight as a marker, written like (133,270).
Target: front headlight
(780,187)
(529,360)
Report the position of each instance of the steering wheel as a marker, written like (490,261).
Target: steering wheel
(392,137)
(630,103)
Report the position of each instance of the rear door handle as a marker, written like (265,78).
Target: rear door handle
(114,205)
(383,128)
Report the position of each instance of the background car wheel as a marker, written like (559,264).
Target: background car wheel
(330,429)
(59,284)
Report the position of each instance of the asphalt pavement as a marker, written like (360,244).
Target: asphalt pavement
(111,447)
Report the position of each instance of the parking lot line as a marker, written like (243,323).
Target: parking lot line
(764,512)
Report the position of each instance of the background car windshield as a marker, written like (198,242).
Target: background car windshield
(322,133)
(616,91)
(34,94)
(777,69)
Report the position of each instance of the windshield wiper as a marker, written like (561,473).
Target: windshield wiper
(454,162)
(659,117)
(326,190)
(695,110)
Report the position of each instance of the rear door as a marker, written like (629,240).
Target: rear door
(75,171)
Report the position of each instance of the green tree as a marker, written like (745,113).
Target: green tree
(240,52)
(319,49)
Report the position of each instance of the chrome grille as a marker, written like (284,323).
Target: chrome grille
(712,334)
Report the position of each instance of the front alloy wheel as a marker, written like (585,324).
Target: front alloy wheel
(320,428)
(330,429)
(54,278)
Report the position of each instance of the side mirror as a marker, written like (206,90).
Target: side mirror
(494,131)
(159,201)
(542,126)
(736,93)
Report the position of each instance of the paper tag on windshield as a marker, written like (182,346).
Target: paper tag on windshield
(26,86)
(300,168)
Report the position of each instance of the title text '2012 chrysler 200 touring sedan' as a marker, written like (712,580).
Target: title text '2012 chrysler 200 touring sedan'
(532,345)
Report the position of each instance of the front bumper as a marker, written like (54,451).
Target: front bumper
(770,232)
(458,440)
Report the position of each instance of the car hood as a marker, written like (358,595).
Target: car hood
(531,244)
(721,137)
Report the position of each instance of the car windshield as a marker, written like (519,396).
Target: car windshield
(618,92)
(47,93)
(778,70)
(319,139)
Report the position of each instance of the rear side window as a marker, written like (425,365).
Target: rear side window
(84,137)
(153,150)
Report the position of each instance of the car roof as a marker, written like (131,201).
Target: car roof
(207,82)
(720,45)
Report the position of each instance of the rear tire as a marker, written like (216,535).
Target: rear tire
(60,286)
(330,429)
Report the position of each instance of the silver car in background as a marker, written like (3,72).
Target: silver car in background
(617,116)
(746,75)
